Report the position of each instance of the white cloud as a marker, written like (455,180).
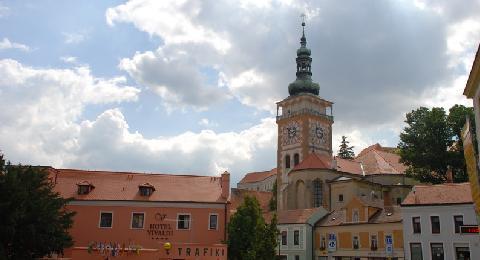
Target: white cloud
(4,10)
(7,44)
(74,37)
(207,123)
(69,59)
(40,108)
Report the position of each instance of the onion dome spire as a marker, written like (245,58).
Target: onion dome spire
(303,83)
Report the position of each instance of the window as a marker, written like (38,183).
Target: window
(463,253)
(284,238)
(287,161)
(183,221)
(373,242)
(399,201)
(213,222)
(435,220)
(437,251)
(416,225)
(296,237)
(355,217)
(458,220)
(340,197)
(296,159)
(416,251)
(106,219)
(323,243)
(146,189)
(83,189)
(317,193)
(355,242)
(297,257)
(138,219)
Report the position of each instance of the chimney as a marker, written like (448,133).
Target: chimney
(449,174)
(387,199)
(225,184)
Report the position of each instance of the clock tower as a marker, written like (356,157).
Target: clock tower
(304,121)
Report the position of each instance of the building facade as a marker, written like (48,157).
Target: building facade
(433,217)
(145,216)
(258,181)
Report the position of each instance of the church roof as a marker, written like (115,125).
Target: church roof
(350,166)
(380,160)
(314,161)
(124,186)
(258,176)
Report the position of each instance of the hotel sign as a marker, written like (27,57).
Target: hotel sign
(160,230)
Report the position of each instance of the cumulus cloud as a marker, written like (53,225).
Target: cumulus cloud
(39,109)
(7,44)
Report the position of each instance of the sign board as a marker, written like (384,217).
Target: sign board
(332,242)
(469,229)
(389,245)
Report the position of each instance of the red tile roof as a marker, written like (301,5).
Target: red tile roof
(258,176)
(384,215)
(449,193)
(345,165)
(314,161)
(125,186)
(296,216)
(380,160)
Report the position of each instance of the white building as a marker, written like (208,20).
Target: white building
(433,217)
(258,181)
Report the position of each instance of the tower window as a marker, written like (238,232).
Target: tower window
(287,161)
(296,159)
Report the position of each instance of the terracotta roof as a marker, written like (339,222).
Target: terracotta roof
(384,215)
(238,195)
(314,161)
(449,193)
(258,176)
(124,186)
(380,160)
(296,216)
(350,166)
(372,202)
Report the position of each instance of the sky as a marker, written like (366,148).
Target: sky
(189,87)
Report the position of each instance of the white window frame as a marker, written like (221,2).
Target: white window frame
(421,228)
(358,239)
(209,216)
(286,237)
(189,221)
(100,218)
(298,230)
(453,217)
(431,226)
(355,210)
(131,220)
(370,238)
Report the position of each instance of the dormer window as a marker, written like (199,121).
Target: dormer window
(84,187)
(146,189)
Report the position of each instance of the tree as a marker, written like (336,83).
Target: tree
(248,235)
(431,142)
(272,204)
(33,219)
(346,152)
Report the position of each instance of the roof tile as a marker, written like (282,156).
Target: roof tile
(448,193)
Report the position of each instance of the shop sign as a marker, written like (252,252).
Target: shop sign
(332,242)
(389,245)
(160,230)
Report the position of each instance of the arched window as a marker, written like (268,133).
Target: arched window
(296,159)
(317,193)
(287,161)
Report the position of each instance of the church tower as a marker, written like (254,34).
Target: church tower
(304,121)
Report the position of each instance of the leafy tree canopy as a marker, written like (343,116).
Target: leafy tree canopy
(345,151)
(33,219)
(431,142)
(249,237)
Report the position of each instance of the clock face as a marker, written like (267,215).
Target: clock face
(318,134)
(291,133)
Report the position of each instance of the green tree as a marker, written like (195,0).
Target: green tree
(272,204)
(431,142)
(33,218)
(248,235)
(345,152)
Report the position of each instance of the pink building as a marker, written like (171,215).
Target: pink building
(122,215)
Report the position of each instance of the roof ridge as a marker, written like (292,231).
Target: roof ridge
(385,160)
(136,173)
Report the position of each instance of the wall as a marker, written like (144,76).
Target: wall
(263,185)
(160,225)
(447,234)
(304,248)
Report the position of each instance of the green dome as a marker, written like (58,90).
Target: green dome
(304,51)
(303,86)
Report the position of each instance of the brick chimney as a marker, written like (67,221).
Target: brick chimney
(449,175)
(225,184)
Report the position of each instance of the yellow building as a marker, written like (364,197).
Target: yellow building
(472,91)
(366,228)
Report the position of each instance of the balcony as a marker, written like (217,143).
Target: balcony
(304,111)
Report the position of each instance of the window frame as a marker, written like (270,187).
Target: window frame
(439,224)
(143,222)
(355,238)
(296,159)
(357,211)
(284,234)
(421,249)
(371,241)
(419,224)
(100,219)
(317,193)
(210,223)
(287,161)
(340,197)
(296,237)
(455,230)
(189,221)
(437,243)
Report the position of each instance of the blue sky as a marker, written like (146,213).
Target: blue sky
(191,86)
